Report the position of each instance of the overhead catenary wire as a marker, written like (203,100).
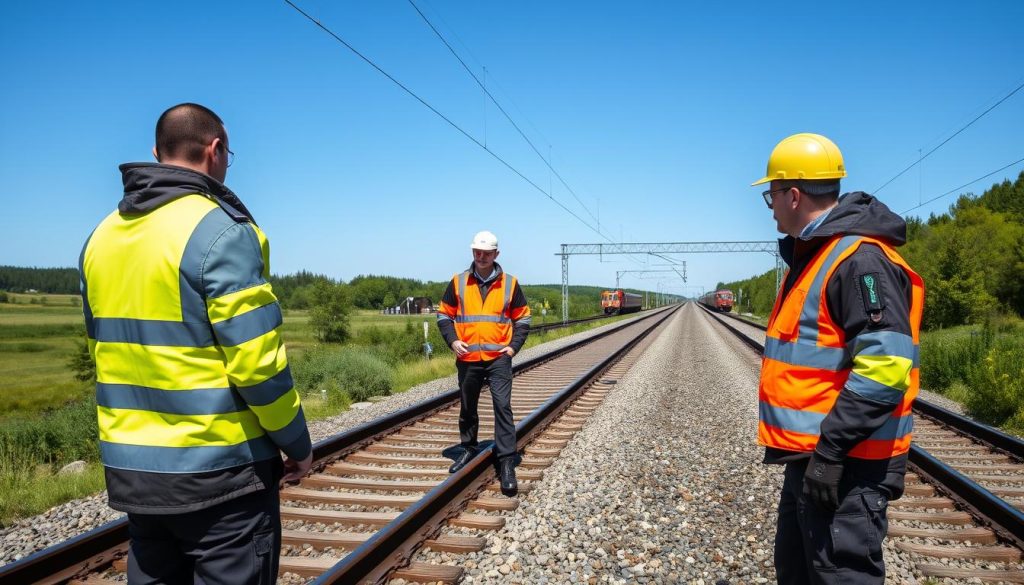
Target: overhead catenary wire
(967,184)
(443,117)
(951,137)
(499,106)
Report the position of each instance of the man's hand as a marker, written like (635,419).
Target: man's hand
(295,470)
(459,347)
(508,351)
(821,482)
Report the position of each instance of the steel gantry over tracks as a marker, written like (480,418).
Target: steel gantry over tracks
(659,249)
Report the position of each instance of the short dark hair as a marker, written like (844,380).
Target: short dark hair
(184,130)
(828,189)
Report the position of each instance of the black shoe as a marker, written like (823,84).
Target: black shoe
(507,473)
(468,454)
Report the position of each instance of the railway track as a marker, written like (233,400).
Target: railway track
(381,491)
(553,326)
(962,514)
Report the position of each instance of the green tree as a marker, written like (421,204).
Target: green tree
(81,362)
(329,313)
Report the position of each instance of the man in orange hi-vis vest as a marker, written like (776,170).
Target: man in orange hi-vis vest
(840,368)
(485,319)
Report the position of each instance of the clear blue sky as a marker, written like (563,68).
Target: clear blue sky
(659,115)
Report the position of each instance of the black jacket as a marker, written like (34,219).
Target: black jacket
(854,417)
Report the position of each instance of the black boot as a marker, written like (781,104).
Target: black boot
(468,453)
(507,473)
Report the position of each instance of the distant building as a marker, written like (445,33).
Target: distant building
(415,306)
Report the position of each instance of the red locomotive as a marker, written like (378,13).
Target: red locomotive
(720,300)
(620,301)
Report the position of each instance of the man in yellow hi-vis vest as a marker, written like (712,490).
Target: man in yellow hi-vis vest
(485,319)
(193,391)
(840,368)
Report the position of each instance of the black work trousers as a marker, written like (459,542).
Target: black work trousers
(498,374)
(816,547)
(236,542)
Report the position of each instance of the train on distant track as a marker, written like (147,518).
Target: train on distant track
(618,302)
(720,300)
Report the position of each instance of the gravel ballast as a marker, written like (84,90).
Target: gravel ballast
(663,485)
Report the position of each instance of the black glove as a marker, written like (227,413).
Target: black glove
(821,482)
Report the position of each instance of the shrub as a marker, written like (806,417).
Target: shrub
(329,314)
(3,297)
(949,356)
(394,346)
(81,362)
(996,393)
(350,372)
(61,436)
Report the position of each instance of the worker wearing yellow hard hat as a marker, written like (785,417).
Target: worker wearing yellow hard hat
(839,374)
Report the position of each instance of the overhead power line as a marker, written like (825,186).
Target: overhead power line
(445,118)
(969,183)
(954,135)
(500,108)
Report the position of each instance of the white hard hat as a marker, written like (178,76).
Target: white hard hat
(484,241)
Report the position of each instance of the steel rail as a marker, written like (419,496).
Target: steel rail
(394,544)
(993,510)
(97,547)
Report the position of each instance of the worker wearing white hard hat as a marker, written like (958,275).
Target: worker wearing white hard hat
(485,319)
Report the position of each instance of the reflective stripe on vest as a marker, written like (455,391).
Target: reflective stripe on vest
(807,361)
(484,324)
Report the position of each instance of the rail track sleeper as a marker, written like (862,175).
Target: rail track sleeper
(327,480)
(972,534)
(987,575)
(321,540)
(346,498)
(337,517)
(954,458)
(999,478)
(348,469)
(936,503)
(919,490)
(1001,554)
(492,504)
(986,467)
(478,521)
(456,544)
(542,452)
(962,518)
(429,573)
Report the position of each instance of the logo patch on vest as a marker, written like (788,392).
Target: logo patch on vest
(871,292)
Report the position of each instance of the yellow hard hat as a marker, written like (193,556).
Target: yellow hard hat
(804,156)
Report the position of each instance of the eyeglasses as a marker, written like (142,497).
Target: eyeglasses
(770,192)
(231,155)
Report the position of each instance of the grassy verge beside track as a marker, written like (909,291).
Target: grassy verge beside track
(979,366)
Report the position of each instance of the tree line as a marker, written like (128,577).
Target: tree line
(971,258)
(61,281)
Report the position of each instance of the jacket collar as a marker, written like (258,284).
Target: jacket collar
(492,278)
(857,213)
(148,186)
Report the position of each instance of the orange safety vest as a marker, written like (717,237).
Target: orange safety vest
(807,360)
(484,324)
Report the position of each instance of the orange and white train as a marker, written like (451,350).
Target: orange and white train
(619,302)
